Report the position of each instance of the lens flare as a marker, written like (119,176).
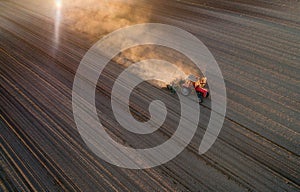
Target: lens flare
(58,4)
(57,18)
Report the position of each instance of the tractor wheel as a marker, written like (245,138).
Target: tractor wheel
(207,94)
(185,91)
(200,100)
(200,97)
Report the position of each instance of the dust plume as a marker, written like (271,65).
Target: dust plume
(139,53)
(100,17)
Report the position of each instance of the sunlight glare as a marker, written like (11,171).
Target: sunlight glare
(58,4)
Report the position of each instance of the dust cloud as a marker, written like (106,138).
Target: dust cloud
(97,18)
(100,17)
(139,53)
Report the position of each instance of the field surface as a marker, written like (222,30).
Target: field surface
(256,44)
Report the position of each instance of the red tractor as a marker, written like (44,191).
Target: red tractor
(189,85)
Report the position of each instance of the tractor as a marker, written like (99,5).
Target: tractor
(192,84)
